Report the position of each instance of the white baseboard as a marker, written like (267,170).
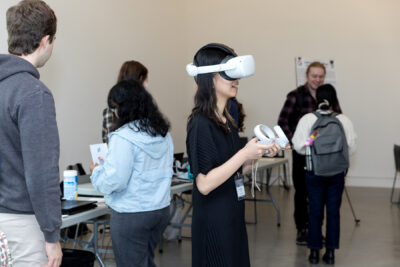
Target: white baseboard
(385,182)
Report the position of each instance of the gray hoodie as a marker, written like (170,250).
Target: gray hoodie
(29,146)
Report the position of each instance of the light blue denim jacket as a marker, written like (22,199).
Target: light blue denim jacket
(136,175)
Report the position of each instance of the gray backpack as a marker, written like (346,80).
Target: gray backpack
(330,152)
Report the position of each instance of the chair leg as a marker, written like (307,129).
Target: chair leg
(160,245)
(393,187)
(356,220)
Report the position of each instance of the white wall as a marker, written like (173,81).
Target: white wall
(95,37)
(362,36)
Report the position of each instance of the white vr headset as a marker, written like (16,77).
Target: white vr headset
(235,68)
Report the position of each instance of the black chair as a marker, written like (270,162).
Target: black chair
(397,165)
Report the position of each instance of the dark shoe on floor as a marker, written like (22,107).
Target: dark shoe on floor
(329,256)
(301,239)
(314,256)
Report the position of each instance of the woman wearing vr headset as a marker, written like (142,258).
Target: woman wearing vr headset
(219,236)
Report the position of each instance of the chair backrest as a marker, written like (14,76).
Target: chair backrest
(397,157)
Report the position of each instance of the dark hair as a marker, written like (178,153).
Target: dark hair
(27,23)
(132,70)
(327,92)
(237,112)
(315,64)
(205,99)
(135,104)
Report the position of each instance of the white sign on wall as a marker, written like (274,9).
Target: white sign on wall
(301,67)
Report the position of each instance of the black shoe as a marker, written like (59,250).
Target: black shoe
(314,256)
(301,239)
(329,256)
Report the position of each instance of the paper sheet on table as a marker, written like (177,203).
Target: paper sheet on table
(98,151)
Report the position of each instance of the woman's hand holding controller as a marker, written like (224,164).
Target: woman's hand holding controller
(273,149)
(255,150)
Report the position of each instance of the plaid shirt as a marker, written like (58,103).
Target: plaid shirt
(108,119)
(292,112)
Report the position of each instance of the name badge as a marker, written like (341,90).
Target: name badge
(240,186)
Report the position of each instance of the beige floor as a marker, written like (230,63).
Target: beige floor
(374,242)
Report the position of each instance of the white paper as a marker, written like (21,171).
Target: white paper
(99,153)
(303,63)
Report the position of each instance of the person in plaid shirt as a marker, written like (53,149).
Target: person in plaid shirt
(299,102)
(108,118)
(130,70)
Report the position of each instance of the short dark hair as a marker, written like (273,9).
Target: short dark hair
(327,92)
(27,23)
(132,70)
(135,104)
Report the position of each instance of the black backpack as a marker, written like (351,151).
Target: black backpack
(330,152)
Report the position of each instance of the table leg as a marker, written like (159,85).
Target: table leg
(272,199)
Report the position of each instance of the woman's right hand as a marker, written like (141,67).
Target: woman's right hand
(253,150)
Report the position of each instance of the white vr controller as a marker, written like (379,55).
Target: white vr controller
(267,136)
(234,68)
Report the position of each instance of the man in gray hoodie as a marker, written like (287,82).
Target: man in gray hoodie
(30,209)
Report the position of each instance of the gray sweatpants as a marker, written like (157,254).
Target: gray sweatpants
(135,236)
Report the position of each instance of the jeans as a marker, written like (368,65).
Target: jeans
(300,194)
(324,191)
(135,235)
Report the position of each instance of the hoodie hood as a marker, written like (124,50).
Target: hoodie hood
(154,146)
(11,65)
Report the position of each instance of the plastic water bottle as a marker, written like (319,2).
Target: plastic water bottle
(308,159)
(190,175)
(70,184)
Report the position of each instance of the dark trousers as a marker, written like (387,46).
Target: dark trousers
(300,194)
(135,235)
(324,191)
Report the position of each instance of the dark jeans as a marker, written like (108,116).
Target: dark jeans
(135,236)
(324,191)
(300,194)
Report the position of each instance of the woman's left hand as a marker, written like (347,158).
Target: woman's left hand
(92,166)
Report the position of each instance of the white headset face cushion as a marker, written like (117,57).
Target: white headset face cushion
(244,67)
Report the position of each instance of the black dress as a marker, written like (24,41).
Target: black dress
(219,237)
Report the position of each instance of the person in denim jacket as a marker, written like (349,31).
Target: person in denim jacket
(135,177)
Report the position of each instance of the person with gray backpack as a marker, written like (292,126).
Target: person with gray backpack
(327,139)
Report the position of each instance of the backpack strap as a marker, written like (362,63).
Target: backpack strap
(316,113)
